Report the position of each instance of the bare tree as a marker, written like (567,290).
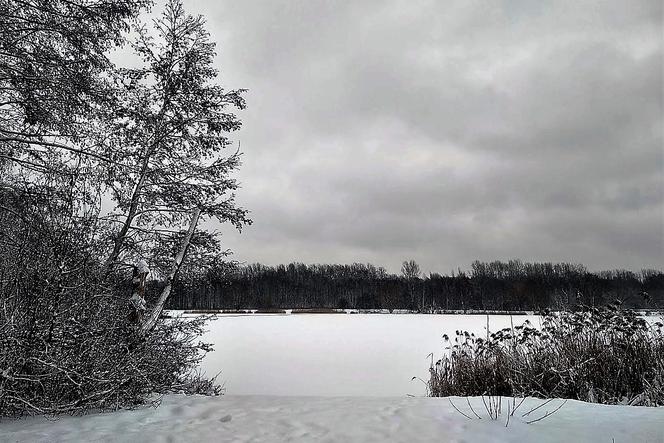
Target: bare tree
(410,270)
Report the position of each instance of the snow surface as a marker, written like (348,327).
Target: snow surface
(342,419)
(334,354)
(339,378)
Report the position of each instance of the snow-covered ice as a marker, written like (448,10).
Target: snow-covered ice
(334,354)
(342,419)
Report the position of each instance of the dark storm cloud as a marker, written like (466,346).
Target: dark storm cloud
(448,131)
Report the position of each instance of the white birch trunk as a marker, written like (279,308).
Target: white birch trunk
(151,320)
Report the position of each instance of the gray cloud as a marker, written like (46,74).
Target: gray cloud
(448,131)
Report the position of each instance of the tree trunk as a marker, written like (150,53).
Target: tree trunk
(135,196)
(137,299)
(133,207)
(151,320)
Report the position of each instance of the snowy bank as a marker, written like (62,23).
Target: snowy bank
(343,419)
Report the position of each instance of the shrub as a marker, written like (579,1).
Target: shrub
(66,342)
(604,355)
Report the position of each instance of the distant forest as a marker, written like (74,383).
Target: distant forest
(512,285)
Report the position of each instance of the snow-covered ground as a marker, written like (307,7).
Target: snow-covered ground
(339,378)
(334,354)
(342,419)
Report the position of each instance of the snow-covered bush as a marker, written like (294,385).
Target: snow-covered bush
(66,342)
(604,355)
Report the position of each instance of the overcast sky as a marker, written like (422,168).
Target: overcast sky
(447,131)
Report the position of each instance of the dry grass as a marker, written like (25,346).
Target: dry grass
(603,355)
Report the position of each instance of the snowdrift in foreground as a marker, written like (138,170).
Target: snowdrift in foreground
(343,419)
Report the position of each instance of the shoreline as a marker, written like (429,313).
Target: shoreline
(169,313)
(324,311)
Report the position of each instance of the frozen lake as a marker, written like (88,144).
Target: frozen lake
(334,354)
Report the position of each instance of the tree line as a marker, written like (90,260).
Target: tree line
(497,285)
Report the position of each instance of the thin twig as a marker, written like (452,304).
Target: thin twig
(518,406)
(536,408)
(547,414)
(486,407)
(471,408)
(457,409)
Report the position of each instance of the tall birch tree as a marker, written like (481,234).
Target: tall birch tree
(171,134)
